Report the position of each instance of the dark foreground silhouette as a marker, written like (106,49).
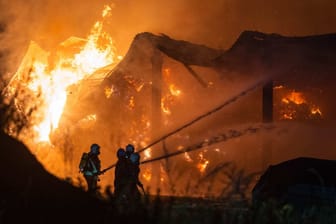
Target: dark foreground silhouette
(30,194)
(302,181)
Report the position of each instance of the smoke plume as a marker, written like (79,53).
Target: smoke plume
(216,24)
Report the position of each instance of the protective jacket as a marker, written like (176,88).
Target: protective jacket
(92,166)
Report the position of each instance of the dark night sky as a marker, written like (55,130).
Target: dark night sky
(216,23)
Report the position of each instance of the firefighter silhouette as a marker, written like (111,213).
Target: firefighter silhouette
(126,180)
(90,167)
(121,174)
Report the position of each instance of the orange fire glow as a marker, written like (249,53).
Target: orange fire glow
(173,92)
(108,92)
(131,103)
(296,105)
(295,97)
(187,157)
(88,121)
(203,163)
(164,107)
(316,110)
(49,78)
(147,174)
(147,154)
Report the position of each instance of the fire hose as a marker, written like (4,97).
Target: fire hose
(227,102)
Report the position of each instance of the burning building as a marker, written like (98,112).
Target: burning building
(216,105)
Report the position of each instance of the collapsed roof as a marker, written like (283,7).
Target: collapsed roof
(299,62)
(311,58)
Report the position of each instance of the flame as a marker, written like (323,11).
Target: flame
(108,92)
(163,174)
(169,99)
(131,103)
(88,120)
(173,90)
(288,116)
(295,97)
(296,105)
(164,107)
(43,82)
(147,153)
(203,163)
(278,87)
(49,82)
(147,174)
(107,11)
(187,157)
(99,50)
(180,147)
(316,111)
(137,84)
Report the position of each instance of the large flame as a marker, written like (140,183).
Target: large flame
(51,73)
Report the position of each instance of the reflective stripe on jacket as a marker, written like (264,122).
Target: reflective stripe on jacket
(94,170)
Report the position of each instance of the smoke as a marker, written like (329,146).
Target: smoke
(45,22)
(220,22)
(217,24)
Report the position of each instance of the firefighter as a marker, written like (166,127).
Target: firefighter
(91,171)
(134,176)
(121,174)
(126,193)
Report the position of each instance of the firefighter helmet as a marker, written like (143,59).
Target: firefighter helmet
(121,153)
(129,148)
(135,158)
(94,149)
